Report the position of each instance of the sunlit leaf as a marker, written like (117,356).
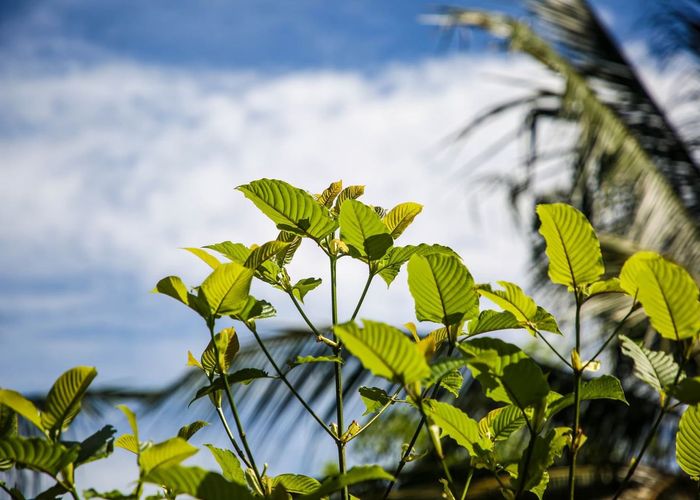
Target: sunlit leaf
(458,425)
(545,451)
(304,286)
(206,257)
(235,252)
(355,475)
(302,360)
(226,289)
(688,442)
(390,265)
(655,368)
(63,400)
(328,196)
(229,463)
(400,217)
(227,345)
(243,376)
(526,312)
(198,483)
(128,442)
(170,452)
(38,454)
(491,321)
(604,387)
(296,483)
(374,399)
(349,193)
(452,382)
(22,406)
(187,431)
(363,230)
(500,423)
(265,252)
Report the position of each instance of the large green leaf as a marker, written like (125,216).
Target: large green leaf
(384,350)
(227,345)
(363,231)
(442,288)
(63,401)
(528,314)
(38,454)
(458,425)
(170,452)
(173,287)
(355,475)
(22,406)
(688,442)
(400,217)
(500,423)
(490,321)
(259,255)
(296,483)
(235,252)
(291,209)
(655,368)
(198,483)
(667,292)
(573,248)
(349,193)
(230,466)
(390,265)
(226,289)
(604,387)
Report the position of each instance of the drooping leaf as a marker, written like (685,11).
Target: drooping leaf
(573,248)
(374,399)
(458,425)
(349,193)
(491,321)
(688,442)
(291,209)
(187,431)
(227,345)
(22,406)
(254,309)
(63,400)
(284,258)
(173,287)
(442,288)
(243,376)
(328,196)
(304,286)
(667,292)
(226,289)
(604,387)
(230,466)
(258,256)
(500,423)
(526,312)
(198,483)
(206,257)
(96,446)
(363,231)
(400,217)
(297,484)
(355,475)
(655,368)
(235,252)
(170,452)
(38,454)
(384,350)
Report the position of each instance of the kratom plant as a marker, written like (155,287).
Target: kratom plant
(514,440)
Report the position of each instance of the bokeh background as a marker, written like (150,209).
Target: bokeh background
(126,125)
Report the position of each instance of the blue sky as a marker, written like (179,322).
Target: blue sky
(125,126)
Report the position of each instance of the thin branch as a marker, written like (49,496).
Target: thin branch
(391,401)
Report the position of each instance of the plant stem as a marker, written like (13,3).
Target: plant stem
(286,381)
(240,453)
(362,297)
(234,409)
(612,335)
(566,362)
(440,456)
(338,369)
(577,404)
(528,458)
(308,322)
(468,482)
(404,458)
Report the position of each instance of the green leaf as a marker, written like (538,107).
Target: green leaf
(63,401)
(363,231)
(655,368)
(355,475)
(170,452)
(22,406)
(611,285)
(374,399)
(384,350)
(491,321)
(230,466)
(128,442)
(400,217)
(206,257)
(243,376)
(667,292)
(8,421)
(573,248)
(458,425)
(688,442)
(228,346)
(296,483)
(349,193)
(108,495)
(173,287)
(453,382)
(235,252)
(258,256)
(198,483)
(526,312)
(254,309)
(226,289)
(390,265)
(688,391)
(291,209)
(605,387)
(545,451)
(96,446)
(131,417)
(38,454)
(500,423)
(444,367)
(442,288)
(187,431)
(304,286)
(329,194)
(302,360)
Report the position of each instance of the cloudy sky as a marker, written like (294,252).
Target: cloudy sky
(125,126)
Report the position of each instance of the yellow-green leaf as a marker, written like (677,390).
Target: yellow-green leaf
(458,425)
(290,208)
(63,401)
(128,442)
(656,368)
(688,442)
(38,454)
(226,289)
(228,346)
(667,292)
(198,483)
(355,475)
(22,406)
(573,248)
(512,299)
(230,466)
(187,431)
(490,321)
(206,257)
(329,194)
(349,193)
(363,231)
(168,453)
(400,217)
(265,252)
(384,350)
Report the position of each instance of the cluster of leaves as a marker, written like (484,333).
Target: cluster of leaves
(515,441)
